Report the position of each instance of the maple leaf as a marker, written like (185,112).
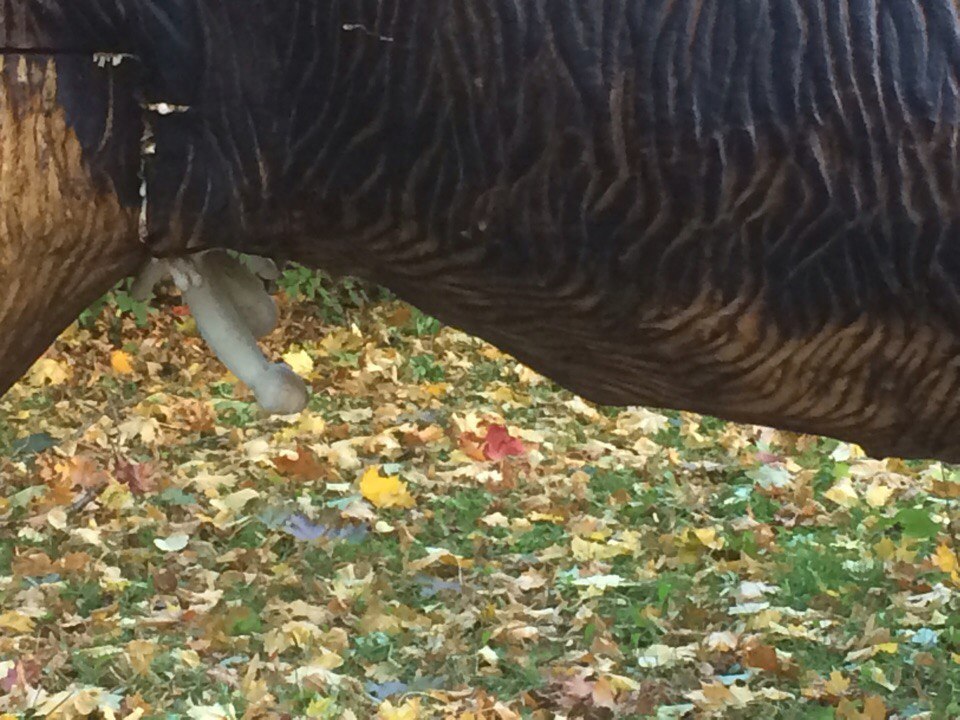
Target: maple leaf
(946,561)
(385,491)
(472,446)
(120,362)
(878,495)
(499,444)
(299,361)
(47,371)
(409,710)
(604,694)
(139,477)
(837,684)
(82,471)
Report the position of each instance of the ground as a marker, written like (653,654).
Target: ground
(443,534)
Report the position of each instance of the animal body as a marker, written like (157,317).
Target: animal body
(749,208)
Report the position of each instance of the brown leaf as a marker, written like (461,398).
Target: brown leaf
(761,657)
(400,317)
(33,565)
(306,466)
(874,708)
(139,477)
(74,562)
(165,581)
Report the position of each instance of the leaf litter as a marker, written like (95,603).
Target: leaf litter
(445,534)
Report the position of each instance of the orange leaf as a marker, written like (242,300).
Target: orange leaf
(604,694)
(120,362)
(472,446)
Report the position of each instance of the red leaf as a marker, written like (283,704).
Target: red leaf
(499,444)
(180,310)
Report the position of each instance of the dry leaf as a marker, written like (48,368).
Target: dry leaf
(385,492)
(140,654)
(121,363)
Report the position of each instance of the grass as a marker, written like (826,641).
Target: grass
(168,551)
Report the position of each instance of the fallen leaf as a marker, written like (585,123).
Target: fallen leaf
(843,493)
(16,622)
(499,444)
(761,657)
(409,710)
(304,465)
(47,371)
(174,543)
(139,477)
(300,362)
(385,491)
(878,495)
(120,363)
(709,538)
(140,654)
(837,684)
(946,561)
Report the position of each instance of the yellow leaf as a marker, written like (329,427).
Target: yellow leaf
(708,538)
(320,707)
(946,561)
(878,495)
(545,517)
(299,361)
(889,647)
(837,684)
(190,658)
(120,362)
(410,710)
(584,550)
(385,491)
(47,371)
(843,493)
(16,622)
(140,654)
(437,389)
